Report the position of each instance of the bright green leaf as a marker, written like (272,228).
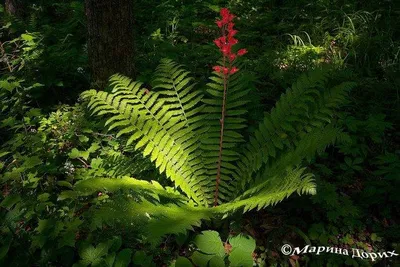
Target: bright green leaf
(123,258)
(209,242)
(183,262)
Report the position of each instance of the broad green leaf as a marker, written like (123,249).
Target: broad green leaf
(240,258)
(75,153)
(181,239)
(209,242)
(216,261)
(214,8)
(2,154)
(201,259)
(242,249)
(123,258)
(83,139)
(32,162)
(243,242)
(140,258)
(110,259)
(43,197)
(4,249)
(34,112)
(66,195)
(27,37)
(93,148)
(375,237)
(64,183)
(10,201)
(183,262)
(115,243)
(92,255)
(96,163)
(68,237)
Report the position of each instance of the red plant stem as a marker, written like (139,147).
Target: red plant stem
(221,137)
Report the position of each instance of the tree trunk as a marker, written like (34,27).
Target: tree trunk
(110,39)
(13,7)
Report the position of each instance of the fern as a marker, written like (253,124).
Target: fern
(234,122)
(179,129)
(177,87)
(307,106)
(153,209)
(116,164)
(273,191)
(161,132)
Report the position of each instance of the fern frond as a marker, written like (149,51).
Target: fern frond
(139,187)
(149,207)
(307,147)
(234,122)
(308,105)
(158,131)
(152,220)
(178,88)
(116,164)
(273,191)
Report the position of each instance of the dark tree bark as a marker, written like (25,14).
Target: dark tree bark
(13,7)
(110,39)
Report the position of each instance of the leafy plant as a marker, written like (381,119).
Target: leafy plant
(104,254)
(199,142)
(211,251)
(43,155)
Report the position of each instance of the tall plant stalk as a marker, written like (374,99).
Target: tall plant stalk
(221,138)
(225,44)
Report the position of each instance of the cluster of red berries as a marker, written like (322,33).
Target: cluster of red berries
(226,42)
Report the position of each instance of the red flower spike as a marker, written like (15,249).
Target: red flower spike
(227,17)
(224,12)
(220,23)
(226,50)
(217,68)
(241,52)
(232,33)
(226,42)
(233,70)
(232,41)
